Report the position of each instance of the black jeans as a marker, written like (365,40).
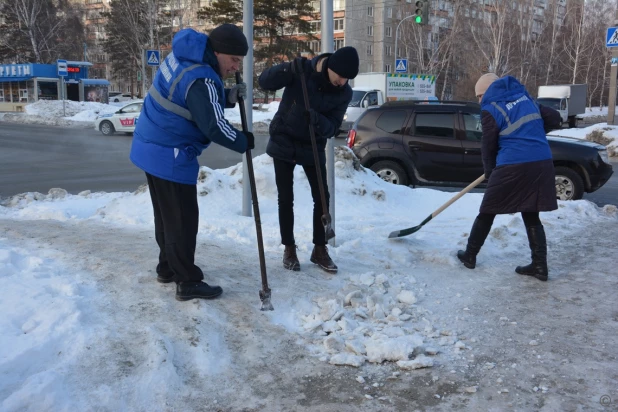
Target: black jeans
(284,176)
(530,218)
(176,218)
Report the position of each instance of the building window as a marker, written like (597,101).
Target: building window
(370,11)
(387,68)
(388,50)
(370,50)
(389,12)
(369,67)
(369,30)
(1,95)
(316,26)
(389,31)
(338,5)
(339,43)
(338,24)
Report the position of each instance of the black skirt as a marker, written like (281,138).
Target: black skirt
(523,187)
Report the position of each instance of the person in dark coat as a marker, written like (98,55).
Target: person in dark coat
(183,115)
(518,163)
(290,140)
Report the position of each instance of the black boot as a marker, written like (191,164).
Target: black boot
(320,257)
(192,290)
(478,234)
(290,260)
(538,249)
(164,274)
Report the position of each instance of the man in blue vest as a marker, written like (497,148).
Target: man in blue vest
(181,116)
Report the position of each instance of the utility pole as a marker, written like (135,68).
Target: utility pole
(611,110)
(397,38)
(247,65)
(328,40)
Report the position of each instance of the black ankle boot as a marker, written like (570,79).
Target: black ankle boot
(200,290)
(164,273)
(478,234)
(538,249)
(320,257)
(290,260)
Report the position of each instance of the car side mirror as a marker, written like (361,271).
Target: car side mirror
(365,104)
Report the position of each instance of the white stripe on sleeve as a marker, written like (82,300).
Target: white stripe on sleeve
(224,126)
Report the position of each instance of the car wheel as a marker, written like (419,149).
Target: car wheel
(107,128)
(569,185)
(573,122)
(391,172)
(116,100)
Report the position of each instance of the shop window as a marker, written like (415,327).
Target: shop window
(48,90)
(23,95)
(1,95)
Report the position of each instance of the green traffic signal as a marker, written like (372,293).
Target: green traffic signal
(418,19)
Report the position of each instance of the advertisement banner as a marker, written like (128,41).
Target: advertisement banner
(406,86)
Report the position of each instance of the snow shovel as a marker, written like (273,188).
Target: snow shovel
(410,230)
(326,219)
(265,292)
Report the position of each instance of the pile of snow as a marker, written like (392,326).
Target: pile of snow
(601,133)
(375,319)
(83,114)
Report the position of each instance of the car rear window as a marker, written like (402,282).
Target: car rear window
(434,124)
(391,121)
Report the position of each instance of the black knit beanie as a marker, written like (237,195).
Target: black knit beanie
(344,62)
(228,39)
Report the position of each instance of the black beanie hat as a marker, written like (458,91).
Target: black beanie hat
(344,62)
(228,39)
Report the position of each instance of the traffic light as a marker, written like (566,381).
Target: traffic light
(421,11)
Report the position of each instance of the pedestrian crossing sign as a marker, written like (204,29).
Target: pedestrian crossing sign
(152,57)
(612,37)
(401,65)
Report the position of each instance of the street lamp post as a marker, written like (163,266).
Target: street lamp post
(397,38)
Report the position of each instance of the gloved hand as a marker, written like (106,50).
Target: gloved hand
(297,65)
(313,117)
(239,90)
(250,140)
(488,173)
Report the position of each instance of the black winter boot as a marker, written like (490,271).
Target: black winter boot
(290,260)
(538,249)
(164,274)
(192,290)
(478,234)
(320,257)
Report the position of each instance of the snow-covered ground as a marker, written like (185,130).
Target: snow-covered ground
(402,326)
(83,114)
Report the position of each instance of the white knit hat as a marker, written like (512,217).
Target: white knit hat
(484,82)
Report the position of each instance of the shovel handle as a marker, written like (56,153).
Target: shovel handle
(458,195)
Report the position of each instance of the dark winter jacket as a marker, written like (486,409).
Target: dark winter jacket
(516,155)
(290,139)
(183,113)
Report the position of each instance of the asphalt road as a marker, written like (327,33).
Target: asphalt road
(36,158)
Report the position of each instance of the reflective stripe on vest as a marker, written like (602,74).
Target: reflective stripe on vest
(167,103)
(519,123)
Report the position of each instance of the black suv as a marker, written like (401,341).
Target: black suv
(439,144)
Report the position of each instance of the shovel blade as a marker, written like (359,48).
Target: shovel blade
(265,298)
(328,228)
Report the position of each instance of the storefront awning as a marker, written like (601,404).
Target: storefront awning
(101,82)
(14,79)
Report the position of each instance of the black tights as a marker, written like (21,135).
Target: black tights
(530,218)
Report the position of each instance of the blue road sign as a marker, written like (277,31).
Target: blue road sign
(63,67)
(152,57)
(401,65)
(611,37)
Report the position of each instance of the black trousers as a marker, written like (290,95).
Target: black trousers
(176,218)
(284,176)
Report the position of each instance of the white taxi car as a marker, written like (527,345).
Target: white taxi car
(124,120)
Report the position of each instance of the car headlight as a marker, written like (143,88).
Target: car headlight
(604,156)
(345,117)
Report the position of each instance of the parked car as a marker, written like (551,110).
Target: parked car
(119,97)
(439,144)
(123,120)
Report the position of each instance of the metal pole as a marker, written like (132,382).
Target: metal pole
(397,39)
(328,40)
(143,74)
(247,63)
(64,92)
(613,72)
